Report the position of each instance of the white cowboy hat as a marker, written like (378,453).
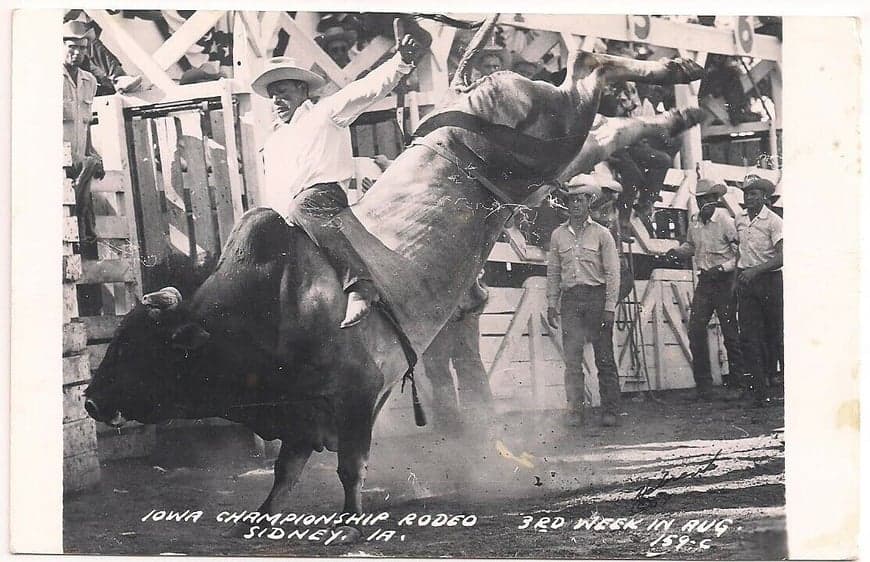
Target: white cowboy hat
(75,30)
(284,68)
(582,184)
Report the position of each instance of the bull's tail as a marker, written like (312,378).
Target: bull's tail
(480,39)
(452,22)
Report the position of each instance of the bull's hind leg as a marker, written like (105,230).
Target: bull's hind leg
(609,69)
(610,134)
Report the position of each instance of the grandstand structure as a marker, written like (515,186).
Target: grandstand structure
(182,154)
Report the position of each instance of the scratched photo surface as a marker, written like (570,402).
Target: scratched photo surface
(215,403)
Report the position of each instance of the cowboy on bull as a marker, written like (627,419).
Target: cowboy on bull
(308,157)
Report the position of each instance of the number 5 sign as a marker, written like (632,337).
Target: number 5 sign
(744,35)
(639,27)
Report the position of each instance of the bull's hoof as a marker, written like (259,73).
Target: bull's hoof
(683,71)
(687,118)
(349,535)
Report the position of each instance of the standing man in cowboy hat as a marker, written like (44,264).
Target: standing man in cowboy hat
(712,241)
(759,284)
(79,89)
(583,270)
(309,159)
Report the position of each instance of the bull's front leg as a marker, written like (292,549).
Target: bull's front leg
(288,467)
(610,134)
(354,444)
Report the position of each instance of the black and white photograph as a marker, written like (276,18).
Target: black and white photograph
(428,285)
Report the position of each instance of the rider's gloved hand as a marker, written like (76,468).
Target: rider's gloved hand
(408,49)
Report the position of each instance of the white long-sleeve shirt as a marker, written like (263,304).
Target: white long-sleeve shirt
(315,146)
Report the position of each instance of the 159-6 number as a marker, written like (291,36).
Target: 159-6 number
(678,542)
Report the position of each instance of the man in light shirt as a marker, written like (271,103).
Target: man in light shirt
(759,284)
(309,158)
(712,241)
(583,271)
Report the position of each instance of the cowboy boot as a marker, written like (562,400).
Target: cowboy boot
(359,303)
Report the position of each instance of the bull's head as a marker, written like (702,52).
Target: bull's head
(139,377)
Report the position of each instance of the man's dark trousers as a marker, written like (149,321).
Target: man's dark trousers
(761,324)
(315,210)
(713,294)
(582,315)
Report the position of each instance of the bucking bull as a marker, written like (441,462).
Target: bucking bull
(259,343)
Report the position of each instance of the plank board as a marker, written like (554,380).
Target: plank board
(76,369)
(70,302)
(72,267)
(79,437)
(106,271)
(73,403)
(153,222)
(219,179)
(101,327)
(70,229)
(80,472)
(177,218)
(75,337)
(196,181)
(68,194)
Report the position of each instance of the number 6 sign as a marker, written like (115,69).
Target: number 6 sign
(744,35)
(639,27)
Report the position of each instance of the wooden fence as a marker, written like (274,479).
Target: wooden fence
(525,362)
(187,187)
(81,468)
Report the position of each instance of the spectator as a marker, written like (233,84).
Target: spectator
(309,161)
(491,59)
(759,284)
(337,41)
(723,80)
(583,271)
(712,241)
(641,167)
(79,88)
(458,343)
(100,62)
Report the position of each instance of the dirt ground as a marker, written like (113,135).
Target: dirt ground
(677,479)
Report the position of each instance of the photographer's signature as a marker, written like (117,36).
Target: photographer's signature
(648,495)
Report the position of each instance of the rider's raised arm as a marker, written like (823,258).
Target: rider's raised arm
(351,101)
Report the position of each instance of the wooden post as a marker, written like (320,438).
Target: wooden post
(686,96)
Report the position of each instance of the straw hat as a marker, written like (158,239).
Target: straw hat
(284,68)
(75,30)
(707,188)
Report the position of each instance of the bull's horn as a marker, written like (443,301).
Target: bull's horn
(167,297)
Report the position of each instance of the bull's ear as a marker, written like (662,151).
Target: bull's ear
(189,336)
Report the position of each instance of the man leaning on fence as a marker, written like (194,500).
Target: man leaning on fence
(79,88)
(583,272)
(712,241)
